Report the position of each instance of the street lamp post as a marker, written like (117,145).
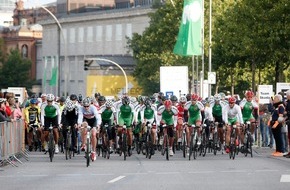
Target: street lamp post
(59,31)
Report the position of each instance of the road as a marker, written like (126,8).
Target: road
(205,173)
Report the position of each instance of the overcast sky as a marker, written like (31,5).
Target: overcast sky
(34,3)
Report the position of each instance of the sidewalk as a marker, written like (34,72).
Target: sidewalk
(266,151)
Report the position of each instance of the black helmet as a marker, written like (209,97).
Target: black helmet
(153,99)
(62,99)
(125,100)
(102,99)
(173,98)
(80,97)
(97,94)
(188,97)
(147,102)
(73,97)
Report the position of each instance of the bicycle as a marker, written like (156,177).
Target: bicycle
(193,149)
(88,151)
(165,146)
(124,142)
(183,140)
(248,140)
(35,139)
(216,144)
(51,143)
(68,144)
(204,141)
(149,143)
(233,142)
(106,144)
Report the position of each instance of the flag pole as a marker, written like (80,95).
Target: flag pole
(202,69)
(209,53)
(192,83)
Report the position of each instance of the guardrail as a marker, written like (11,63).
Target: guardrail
(12,143)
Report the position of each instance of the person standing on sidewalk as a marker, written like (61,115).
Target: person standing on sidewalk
(276,124)
(287,109)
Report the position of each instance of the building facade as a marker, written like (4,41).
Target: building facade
(84,36)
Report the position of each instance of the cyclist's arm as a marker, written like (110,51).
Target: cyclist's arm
(26,115)
(175,116)
(134,115)
(42,114)
(239,114)
(80,116)
(58,113)
(97,115)
(225,114)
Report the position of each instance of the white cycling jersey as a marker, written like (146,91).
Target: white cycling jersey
(231,113)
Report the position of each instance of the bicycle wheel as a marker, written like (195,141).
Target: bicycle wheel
(215,143)
(124,146)
(184,146)
(68,146)
(51,146)
(191,146)
(88,152)
(204,144)
(166,147)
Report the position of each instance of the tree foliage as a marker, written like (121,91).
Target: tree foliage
(15,71)
(250,43)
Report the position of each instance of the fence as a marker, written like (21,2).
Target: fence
(12,143)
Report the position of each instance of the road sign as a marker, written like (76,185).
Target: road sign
(211,79)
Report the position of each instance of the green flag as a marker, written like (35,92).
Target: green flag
(53,79)
(189,37)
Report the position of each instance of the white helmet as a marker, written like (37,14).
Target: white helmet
(217,97)
(69,105)
(49,97)
(182,99)
(109,103)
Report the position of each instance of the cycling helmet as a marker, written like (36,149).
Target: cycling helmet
(223,96)
(50,97)
(232,100)
(182,99)
(73,97)
(97,94)
(188,97)
(125,100)
(160,94)
(101,99)
(167,103)
(217,97)
(69,105)
(62,99)
(133,100)
(249,94)
(173,98)
(162,98)
(140,99)
(33,101)
(147,102)
(2,100)
(34,96)
(153,99)
(87,101)
(109,103)
(194,97)
(80,98)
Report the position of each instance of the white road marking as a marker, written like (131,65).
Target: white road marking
(201,172)
(285,178)
(68,175)
(162,173)
(34,175)
(102,174)
(266,170)
(116,179)
(135,173)
(234,171)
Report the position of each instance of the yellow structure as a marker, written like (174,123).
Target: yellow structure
(112,85)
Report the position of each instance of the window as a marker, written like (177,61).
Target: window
(129,30)
(72,36)
(118,32)
(81,34)
(109,33)
(90,34)
(99,33)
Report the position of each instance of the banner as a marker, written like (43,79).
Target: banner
(53,79)
(264,94)
(189,40)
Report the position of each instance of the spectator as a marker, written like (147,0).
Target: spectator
(263,109)
(3,114)
(287,103)
(276,124)
(17,114)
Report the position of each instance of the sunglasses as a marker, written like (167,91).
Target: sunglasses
(86,106)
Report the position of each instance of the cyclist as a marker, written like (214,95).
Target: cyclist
(167,114)
(148,113)
(217,112)
(61,101)
(248,105)
(89,116)
(232,115)
(194,108)
(180,119)
(32,116)
(50,115)
(126,116)
(108,115)
(70,117)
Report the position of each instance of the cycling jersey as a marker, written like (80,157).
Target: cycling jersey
(169,117)
(32,115)
(194,111)
(234,113)
(247,109)
(90,115)
(52,113)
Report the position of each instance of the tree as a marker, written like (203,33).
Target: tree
(15,71)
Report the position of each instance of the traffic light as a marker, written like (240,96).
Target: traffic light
(87,64)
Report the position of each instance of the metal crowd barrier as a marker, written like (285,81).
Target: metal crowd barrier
(12,143)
